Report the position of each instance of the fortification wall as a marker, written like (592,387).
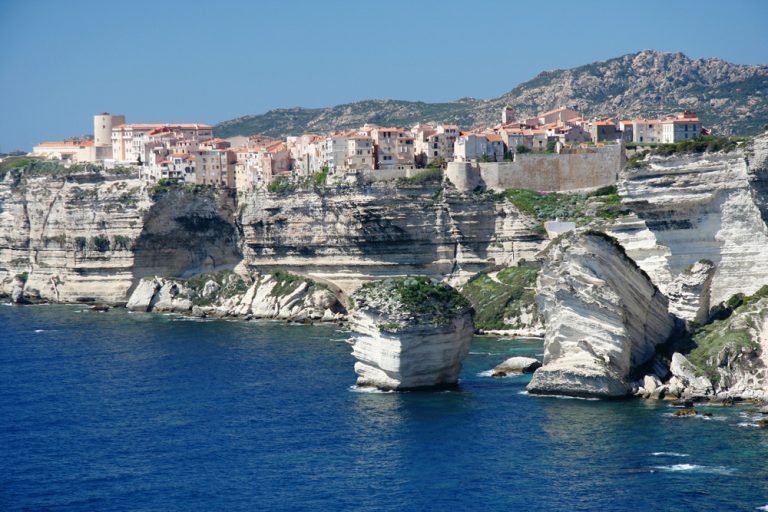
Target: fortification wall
(542,172)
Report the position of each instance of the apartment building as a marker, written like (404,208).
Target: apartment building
(394,148)
(680,126)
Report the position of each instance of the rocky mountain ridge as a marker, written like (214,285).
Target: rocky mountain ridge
(730,98)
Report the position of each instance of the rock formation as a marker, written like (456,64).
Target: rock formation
(693,207)
(689,293)
(603,317)
(279,295)
(516,365)
(411,333)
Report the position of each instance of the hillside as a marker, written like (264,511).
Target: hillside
(731,98)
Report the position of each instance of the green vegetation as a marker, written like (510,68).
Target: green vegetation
(80,243)
(429,175)
(321,178)
(122,243)
(698,145)
(23,277)
(730,333)
(230,284)
(502,297)
(286,282)
(281,185)
(15,163)
(522,149)
(604,203)
(162,186)
(429,301)
(100,243)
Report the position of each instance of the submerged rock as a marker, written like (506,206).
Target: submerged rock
(412,333)
(685,413)
(604,318)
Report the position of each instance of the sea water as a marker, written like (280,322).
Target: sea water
(121,411)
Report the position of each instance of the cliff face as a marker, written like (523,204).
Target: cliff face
(349,236)
(689,208)
(603,318)
(88,235)
(71,236)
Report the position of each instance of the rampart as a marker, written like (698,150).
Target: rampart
(584,169)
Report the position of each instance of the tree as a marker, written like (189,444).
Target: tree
(522,149)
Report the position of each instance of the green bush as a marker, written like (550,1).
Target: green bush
(429,175)
(100,243)
(281,185)
(321,178)
(522,149)
(80,243)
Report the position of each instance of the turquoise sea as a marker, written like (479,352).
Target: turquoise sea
(119,411)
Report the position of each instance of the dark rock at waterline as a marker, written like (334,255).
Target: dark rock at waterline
(685,413)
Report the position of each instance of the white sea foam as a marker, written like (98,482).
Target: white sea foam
(489,373)
(367,389)
(482,354)
(675,468)
(565,397)
(764,507)
(669,454)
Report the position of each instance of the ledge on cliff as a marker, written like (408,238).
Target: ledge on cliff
(413,332)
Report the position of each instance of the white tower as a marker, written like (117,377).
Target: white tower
(507,115)
(102,133)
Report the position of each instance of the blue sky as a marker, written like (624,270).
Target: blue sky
(186,60)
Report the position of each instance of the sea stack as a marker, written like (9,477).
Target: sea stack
(603,316)
(412,332)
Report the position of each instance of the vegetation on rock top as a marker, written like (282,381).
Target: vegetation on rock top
(414,299)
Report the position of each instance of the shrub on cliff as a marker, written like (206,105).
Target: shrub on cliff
(418,299)
(502,296)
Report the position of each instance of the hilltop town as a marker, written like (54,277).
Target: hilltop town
(190,153)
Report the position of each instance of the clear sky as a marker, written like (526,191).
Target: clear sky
(61,61)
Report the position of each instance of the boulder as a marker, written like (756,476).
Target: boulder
(685,372)
(411,333)
(603,317)
(142,296)
(517,365)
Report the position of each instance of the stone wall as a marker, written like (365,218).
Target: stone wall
(542,172)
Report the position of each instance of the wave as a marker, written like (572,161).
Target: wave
(561,397)
(669,454)
(696,468)
(366,389)
(764,507)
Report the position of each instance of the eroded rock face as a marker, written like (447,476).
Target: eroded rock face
(689,293)
(517,365)
(86,234)
(351,235)
(691,207)
(603,318)
(273,296)
(411,333)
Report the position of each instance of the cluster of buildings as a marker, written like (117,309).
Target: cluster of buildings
(189,152)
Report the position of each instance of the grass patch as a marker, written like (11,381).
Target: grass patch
(429,175)
(495,300)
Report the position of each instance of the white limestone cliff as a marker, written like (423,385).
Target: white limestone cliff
(603,317)
(410,333)
(280,296)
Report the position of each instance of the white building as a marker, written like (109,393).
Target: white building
(681,126)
